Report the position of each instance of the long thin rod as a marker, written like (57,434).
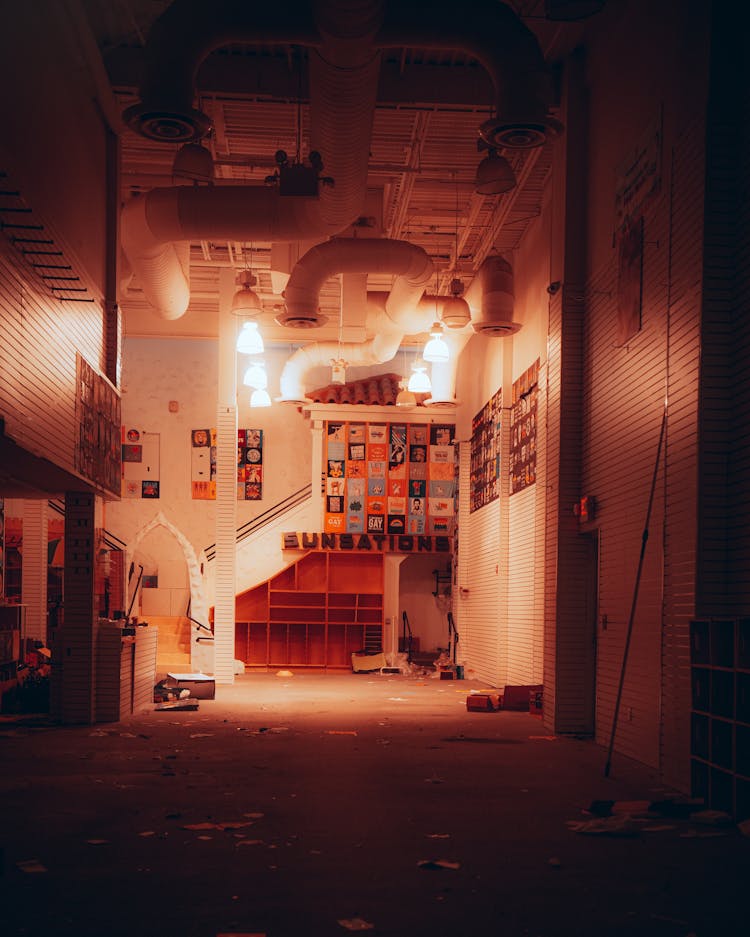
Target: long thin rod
(644,540)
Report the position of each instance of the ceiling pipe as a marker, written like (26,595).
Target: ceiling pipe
(343,37)
(411,265)
(491,299)
(493,34)
(389,316)
(443,373)
(344,71)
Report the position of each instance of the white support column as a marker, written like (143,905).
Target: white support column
(226,486)
(391,603)
(34,568)
(317,474)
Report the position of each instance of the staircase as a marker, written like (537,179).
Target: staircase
(173,646)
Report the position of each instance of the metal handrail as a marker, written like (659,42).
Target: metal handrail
(267,517)
(407,635)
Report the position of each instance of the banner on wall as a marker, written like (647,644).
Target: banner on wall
(485,453)
(387,479)
(140,463)
(523,424)
(249,464)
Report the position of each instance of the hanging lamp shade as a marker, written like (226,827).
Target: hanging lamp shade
(494,175)
(255,376)
(406,398)
(250,341)
(260,398)
(419,382)
(436,349)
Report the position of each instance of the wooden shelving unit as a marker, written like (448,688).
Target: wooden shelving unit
(720,717)
(315,613)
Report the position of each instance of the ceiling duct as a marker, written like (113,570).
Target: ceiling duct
(411,265)
(344,70)
(493,34)
(343,37)
(491,299)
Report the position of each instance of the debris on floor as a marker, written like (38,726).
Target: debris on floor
(356,923)
(437,865)
(186,704)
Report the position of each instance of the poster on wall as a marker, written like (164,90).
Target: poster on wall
(630,282)
(249,464)
(485,453)
(97,412)
(523,426)
(389,478)
(140,455)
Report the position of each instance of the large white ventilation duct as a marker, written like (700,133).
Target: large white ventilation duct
(344,37)
(389,317)
(493,34)
(344,71)
(411,265)
(491,299)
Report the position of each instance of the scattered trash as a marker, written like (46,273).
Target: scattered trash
(284,673)
(356,923)
(437,865)
(711,817)
(608,808)
(397,699)
(438,836)
(229,825)
(97,842)
(658,828)
(341,732)
(249,842)
(177,704)
(605,826)
(147,833)
(201,735)
(31,866)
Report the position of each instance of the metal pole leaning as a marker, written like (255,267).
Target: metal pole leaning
(644,540)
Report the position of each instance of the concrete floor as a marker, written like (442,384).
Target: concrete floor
(317,798)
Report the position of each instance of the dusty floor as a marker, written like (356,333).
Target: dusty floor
(304,807)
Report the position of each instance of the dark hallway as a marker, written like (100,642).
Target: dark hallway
(306,805)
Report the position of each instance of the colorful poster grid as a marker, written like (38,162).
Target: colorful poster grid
(485,453)
(389,478)
(249,464)
(523,429)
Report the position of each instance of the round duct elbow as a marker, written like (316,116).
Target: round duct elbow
(300,320)
(495,328)
(167,125)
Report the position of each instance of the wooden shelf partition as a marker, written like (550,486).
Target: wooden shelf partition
(315,613)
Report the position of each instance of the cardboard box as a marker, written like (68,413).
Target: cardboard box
(483,702)
(200,686)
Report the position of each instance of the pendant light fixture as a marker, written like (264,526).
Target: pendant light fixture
(246,304)
(255,376)
(436,350)
(419,382)
(260,398)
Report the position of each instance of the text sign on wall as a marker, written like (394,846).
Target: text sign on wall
(371,543)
